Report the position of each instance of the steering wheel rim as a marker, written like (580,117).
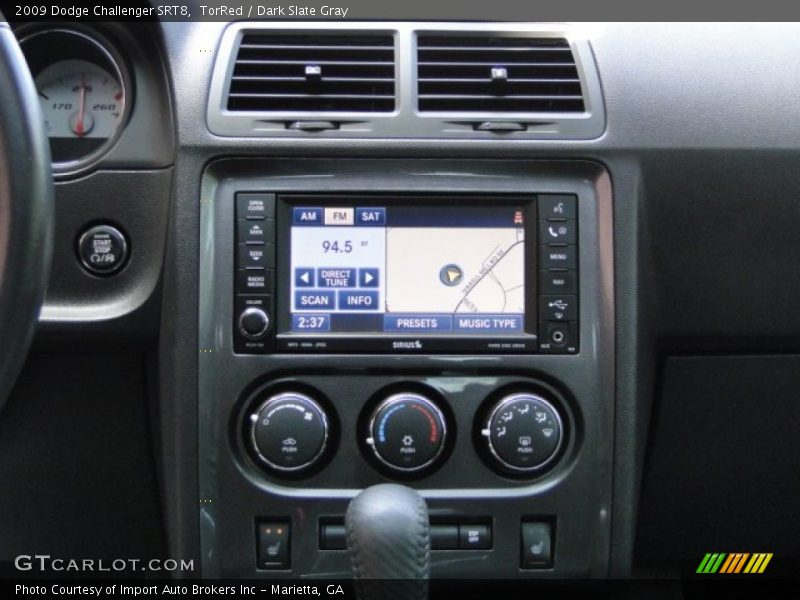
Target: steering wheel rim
(26,209)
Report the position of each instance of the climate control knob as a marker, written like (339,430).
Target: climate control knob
(289,432)
(524,433)
(407,432)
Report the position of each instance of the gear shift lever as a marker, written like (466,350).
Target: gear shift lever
(388,537)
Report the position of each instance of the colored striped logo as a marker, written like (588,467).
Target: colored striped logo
(734,562)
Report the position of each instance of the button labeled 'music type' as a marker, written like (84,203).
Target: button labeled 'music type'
(488,323)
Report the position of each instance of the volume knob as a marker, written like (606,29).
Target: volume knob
(253,323)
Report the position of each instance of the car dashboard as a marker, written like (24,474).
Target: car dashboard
(541,273)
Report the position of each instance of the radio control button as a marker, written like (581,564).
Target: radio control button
(253,323)
(256,232)
(558,257)
(369,278)
(256,257)
(358,300)
(304,277)
(336,277)
(255,281)
(371,216)
(307,215)
(316,300)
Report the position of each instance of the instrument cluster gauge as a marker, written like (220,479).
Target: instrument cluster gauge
(84,92)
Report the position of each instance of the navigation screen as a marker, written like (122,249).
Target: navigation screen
(415,269)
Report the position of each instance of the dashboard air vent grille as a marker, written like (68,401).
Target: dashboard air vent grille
(287,72)
(497,74)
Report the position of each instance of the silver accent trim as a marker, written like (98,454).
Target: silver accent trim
(295,397)
(487,431)
(250,311)
(406,121)
(395,399)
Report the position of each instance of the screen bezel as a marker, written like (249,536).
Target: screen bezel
(525,342)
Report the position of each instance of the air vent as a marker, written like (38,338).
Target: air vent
(329,73)
(497,74)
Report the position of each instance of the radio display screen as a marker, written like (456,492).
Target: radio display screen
(370,266)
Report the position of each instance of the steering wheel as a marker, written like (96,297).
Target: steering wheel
(26,209)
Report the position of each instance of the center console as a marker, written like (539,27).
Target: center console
(447,324)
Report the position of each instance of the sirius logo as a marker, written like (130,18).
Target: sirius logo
(407,345)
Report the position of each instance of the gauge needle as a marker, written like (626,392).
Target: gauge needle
(79,128)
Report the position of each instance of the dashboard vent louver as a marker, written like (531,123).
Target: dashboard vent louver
(291,73)
(497,74)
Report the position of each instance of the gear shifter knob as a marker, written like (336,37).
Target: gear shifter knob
(388,537)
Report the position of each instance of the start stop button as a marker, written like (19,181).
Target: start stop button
(103,249)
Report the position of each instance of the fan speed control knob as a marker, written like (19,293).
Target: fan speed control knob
(524,433)
(289,432)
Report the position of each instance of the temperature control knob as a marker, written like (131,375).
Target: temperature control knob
(523,432)
(407,432)
(289,432)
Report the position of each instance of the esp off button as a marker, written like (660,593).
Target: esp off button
(102,249)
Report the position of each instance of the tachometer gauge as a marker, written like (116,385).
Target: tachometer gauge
(84,94)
